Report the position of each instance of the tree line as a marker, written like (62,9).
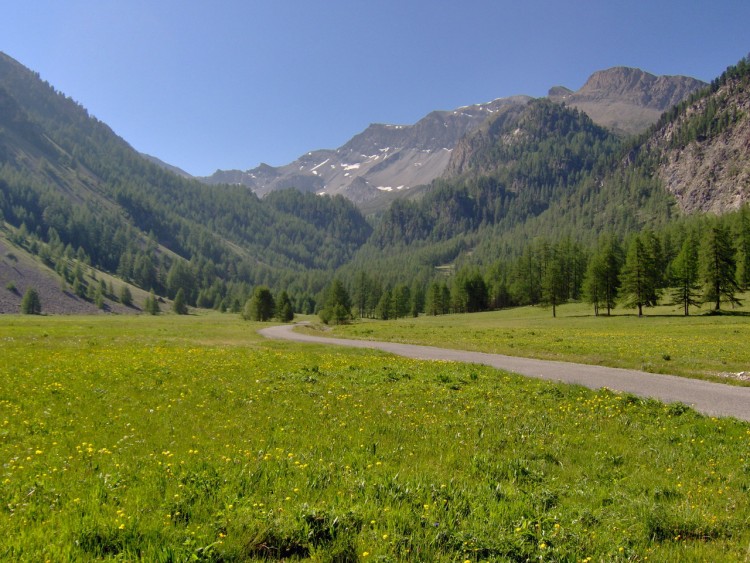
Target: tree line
(697,261)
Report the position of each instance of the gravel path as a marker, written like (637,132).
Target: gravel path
(713,399)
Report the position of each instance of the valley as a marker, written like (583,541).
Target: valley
(193,437)
(143,417)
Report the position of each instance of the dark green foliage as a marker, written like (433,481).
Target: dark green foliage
(640,277)
(338,304)
(31,304)
(151,305)
(555,289)
(718,265)
(603,275)
(717,114)
(684,275)
(469,292)
(366,293)
(261,306)
(506,182)
(742,236)
(514,225)
(179,305)
(438,299)
(384,309)
(284,309)
(126,297)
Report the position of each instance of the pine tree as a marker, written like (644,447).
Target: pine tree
(684,270)
(384,310)
(31,304)
(178,305)
(602,277)
(261,306)
(433,305)
(718,266)
(639,277)
(284,309)
(554,288)
(743,248)
(417,299)
(151,305)
(126,298)
(338,304)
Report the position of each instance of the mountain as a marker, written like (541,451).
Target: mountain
(627,100)
(702,146)
(167,166)
(387,159)
(546,170)
(519,163)
(83,214)
(381,159)
(81,199)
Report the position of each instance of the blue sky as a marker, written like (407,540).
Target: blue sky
(230,83)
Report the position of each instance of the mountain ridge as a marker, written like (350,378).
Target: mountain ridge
(387,159)
(627,100)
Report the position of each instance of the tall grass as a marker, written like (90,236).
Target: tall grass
(179,438)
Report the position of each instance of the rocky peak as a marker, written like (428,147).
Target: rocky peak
(638,87)
(627,100)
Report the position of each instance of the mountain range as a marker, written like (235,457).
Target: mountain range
(387,159)
(82,213)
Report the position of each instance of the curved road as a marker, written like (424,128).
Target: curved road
(713,399)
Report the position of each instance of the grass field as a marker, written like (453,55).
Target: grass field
(705,346)
(190,438)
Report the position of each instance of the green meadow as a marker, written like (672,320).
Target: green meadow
(662,341)
(192,438)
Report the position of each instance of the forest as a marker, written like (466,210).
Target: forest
(548,208)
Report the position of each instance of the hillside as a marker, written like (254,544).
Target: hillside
(704,146)
(546,170)
(77,202)
(69,182)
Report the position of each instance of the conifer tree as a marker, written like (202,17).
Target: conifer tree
(684,270)
(284,309)
(554,290)
(151,305)
(338,304)
(603,275)
(639,277)
(433,305)
(261,306)
(743,249)
(178,305)
(126,298)
(31,304)
(718,266)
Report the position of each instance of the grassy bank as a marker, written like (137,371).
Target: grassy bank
(173,438)
(707,346)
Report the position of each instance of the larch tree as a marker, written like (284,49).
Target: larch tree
(684,273)
(639,281)
(718,266)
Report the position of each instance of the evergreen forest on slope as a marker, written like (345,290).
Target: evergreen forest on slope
(540,201)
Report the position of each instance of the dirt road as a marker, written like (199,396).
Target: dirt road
(713,399)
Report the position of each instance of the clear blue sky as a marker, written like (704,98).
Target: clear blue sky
(232,83)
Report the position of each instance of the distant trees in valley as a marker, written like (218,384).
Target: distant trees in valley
(701,260)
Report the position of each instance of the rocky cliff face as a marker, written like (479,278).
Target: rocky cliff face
(627,100)
(711,171)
